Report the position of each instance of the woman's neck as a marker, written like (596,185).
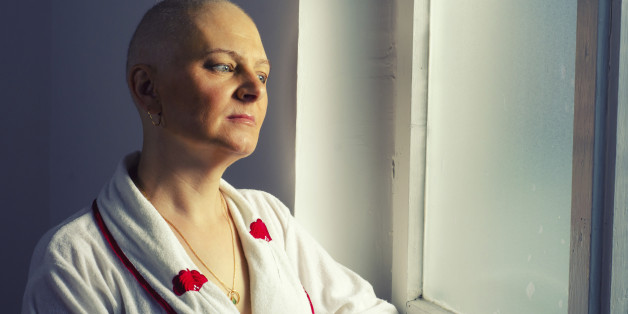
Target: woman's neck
(183,186)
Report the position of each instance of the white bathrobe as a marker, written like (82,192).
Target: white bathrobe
(75,269)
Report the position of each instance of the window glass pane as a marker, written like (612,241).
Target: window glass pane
(499,151)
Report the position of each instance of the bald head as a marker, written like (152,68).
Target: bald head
(165,26)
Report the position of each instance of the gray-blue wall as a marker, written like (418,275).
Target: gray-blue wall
(67,116)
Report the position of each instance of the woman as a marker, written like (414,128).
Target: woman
(167,232)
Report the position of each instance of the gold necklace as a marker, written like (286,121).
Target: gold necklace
(233,295)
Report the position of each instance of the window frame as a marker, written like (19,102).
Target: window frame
(408,183)
(599,169)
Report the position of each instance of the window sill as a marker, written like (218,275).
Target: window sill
(422,306)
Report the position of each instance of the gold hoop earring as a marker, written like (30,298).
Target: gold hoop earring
(158,123)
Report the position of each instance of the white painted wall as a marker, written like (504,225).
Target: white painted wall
(344,136)
(68,117)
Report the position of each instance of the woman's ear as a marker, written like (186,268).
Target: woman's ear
(142,85)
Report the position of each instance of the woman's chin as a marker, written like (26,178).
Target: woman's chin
(238,146)
(242,147)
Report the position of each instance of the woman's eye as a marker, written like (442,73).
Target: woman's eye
(222,68)
(262,78)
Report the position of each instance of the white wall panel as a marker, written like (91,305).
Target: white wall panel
(344,136)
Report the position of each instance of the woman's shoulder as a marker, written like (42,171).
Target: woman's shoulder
(73,270)
(259,196)
(264,201)
(67,241)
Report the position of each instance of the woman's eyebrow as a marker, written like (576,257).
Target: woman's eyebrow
(263,61)
(236,55)
(220,50)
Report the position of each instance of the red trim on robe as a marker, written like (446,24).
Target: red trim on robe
(308,298)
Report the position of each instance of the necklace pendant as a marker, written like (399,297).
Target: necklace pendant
(234,296)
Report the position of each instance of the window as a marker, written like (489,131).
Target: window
(498,155)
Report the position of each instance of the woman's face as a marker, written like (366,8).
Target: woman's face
(213,90)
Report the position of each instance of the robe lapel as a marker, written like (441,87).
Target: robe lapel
(147,241)
(273,281)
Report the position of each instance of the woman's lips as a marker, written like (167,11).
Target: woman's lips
(242,118)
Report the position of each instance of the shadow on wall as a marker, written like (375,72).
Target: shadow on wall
(68,117)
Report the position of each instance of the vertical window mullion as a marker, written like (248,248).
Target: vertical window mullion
(595,128)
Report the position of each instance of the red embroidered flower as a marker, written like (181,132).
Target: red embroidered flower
(187,280)
(259,231)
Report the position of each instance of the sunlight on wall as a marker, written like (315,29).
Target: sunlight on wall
(344,132)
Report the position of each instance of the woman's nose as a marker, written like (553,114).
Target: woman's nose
(251,88)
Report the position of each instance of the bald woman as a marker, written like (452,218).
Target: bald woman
(166,233)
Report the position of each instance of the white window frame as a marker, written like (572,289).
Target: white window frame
(599,258)
(412,38)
